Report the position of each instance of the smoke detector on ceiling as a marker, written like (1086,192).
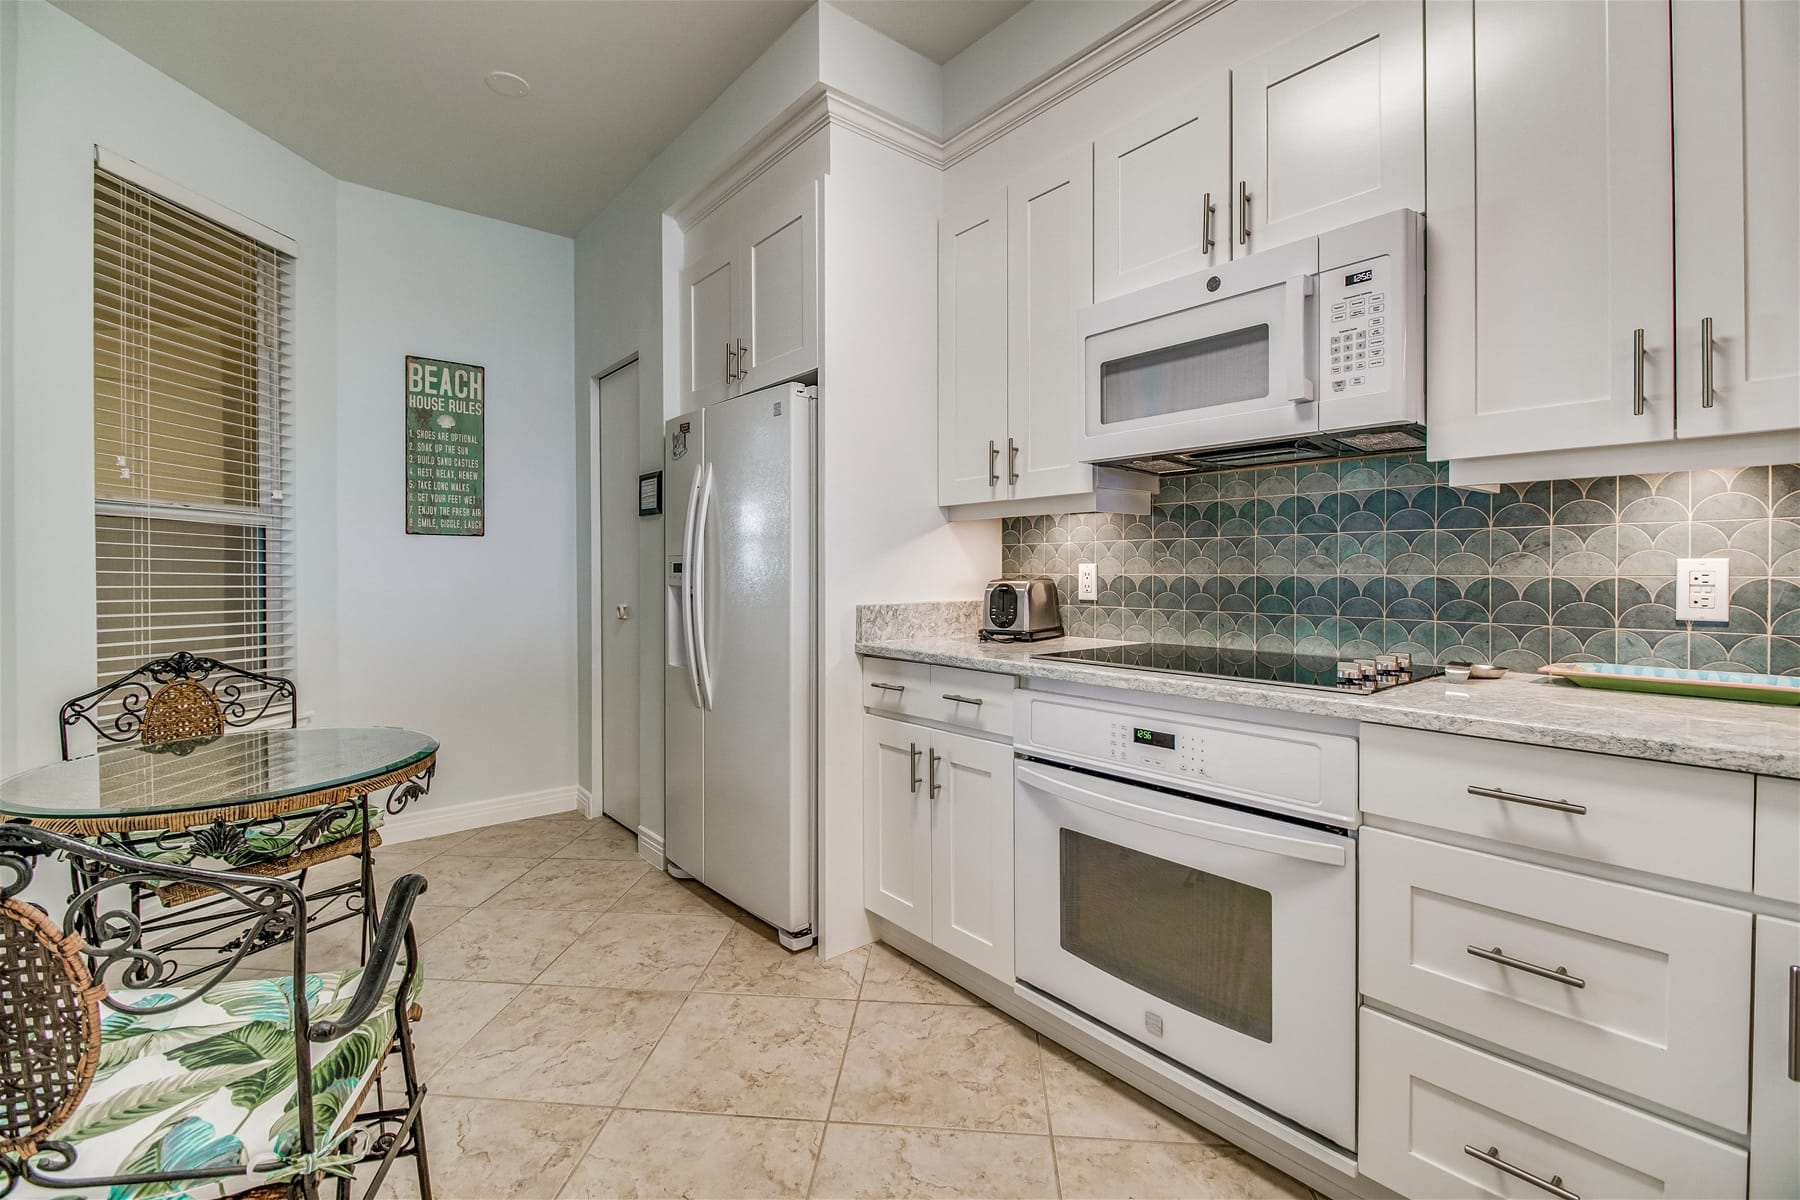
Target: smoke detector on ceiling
(507,84)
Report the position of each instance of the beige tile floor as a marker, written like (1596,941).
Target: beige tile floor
(594,1028)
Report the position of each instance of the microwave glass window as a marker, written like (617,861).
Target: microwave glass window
(1199,941)
(1226,368)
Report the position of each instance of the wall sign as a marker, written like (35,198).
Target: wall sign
(446,473)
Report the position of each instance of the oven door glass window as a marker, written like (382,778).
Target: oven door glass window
(1225,368)
(1196,940)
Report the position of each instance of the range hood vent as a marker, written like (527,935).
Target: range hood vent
(1394,439)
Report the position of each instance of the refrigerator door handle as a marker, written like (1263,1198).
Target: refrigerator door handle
(702,662)
(687,589)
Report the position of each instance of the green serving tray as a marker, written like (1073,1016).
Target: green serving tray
(1677,681)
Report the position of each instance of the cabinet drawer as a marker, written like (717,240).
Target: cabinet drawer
(1778,838)
(895,689)
(980,701)
(1656,999)
(1426,1100)
(1683,822)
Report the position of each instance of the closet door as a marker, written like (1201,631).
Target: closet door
(1161,183)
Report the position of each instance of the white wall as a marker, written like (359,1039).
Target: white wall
(1039,38)
(68,89)
(861,62)
(469,638)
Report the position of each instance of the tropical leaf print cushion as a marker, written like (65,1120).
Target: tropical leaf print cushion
(212,1083)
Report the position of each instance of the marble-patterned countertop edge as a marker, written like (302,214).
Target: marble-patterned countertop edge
(1533,709)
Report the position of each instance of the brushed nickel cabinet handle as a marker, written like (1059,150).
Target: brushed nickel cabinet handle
(889,687)
(1243,213)
(1207,211)
(912,767)
(1012,461)
(1794,1024)
(955,699)
(993,463)
(931,766)
(730,362)
(743,357)
(1488,793)
(1638,403)
(1559,975)
(1706,362)
(1491,1156)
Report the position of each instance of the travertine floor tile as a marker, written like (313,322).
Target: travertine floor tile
(465,880)
(578,885)
(752,960)
(561,1045)
(766,1056)
(454,1010)
(1109,1170)
(502,945)
(942,1065)
(497,1149)
(1087,1102)
(602,837)
(880,1161)
(640,950)
(523,840)
(659,892)
(891,975)
(440,844)
(657,1154)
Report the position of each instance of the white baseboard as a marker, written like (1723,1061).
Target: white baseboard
(650,848)
(426,820)
(585,803)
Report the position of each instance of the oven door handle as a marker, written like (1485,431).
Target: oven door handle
(1332,853)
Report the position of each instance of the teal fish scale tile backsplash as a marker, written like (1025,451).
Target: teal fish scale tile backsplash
(1359,557)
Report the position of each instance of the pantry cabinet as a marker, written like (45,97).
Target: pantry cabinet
(1775,1062)
(749,302)
(1329,128)
(1162,190)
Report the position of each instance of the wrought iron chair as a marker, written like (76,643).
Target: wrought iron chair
(118,1080)
(187,699)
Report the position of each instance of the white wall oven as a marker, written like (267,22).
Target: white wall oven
(1310,349)
(1189,883)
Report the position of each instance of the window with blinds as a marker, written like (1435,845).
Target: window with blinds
(193,454)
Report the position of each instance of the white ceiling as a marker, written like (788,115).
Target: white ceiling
(389,93)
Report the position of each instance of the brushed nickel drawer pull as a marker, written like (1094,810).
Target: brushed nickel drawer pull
(889,687)
(1488,793)
(912,767)
(955,699)
(1560,975)
(1492,1158)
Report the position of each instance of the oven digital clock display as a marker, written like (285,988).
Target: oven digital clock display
(1153,737)
(1366,275)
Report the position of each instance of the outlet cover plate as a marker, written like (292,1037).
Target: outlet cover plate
(1703,589)
(1087,581)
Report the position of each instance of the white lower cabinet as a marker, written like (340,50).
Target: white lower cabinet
(1775,1062)
(937,838)
(1439,1118)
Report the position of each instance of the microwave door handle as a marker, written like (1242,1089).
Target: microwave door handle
(1299,382)
(1331,853)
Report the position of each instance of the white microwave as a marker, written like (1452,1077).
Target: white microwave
(1307,350)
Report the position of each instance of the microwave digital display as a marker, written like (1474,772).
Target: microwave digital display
(1154,737)
(1366,275)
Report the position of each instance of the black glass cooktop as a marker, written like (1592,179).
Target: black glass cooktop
(1259,666)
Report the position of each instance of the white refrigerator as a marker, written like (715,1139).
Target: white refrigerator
(738,740)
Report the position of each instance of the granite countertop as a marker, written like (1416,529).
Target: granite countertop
(1729,735)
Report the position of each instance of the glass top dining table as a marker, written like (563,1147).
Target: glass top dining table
(252,773)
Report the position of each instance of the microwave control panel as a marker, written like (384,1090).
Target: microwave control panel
(1354,325)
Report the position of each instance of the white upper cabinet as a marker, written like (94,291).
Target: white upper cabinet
(1551,285)
(708,351)
(779,291)
(1162,181)
(1050,222)
(1329,128)
(972,358)
(1737,215)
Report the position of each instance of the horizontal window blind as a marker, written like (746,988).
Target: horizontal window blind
(193,448)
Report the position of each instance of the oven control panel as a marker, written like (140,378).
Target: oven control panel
(1170,747)
(1354,327)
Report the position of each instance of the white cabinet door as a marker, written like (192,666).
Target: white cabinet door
(708,354)
(1050,220)
(1329,128)
(1737,206)
(972,851)
(778,306)
(1550,226)
(972,351)
(1775,1062)
(896,824)
(1161,190)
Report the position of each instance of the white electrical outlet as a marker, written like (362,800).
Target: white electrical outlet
(1703,589)
(1087,581)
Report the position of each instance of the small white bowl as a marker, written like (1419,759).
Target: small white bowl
(1456,672)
